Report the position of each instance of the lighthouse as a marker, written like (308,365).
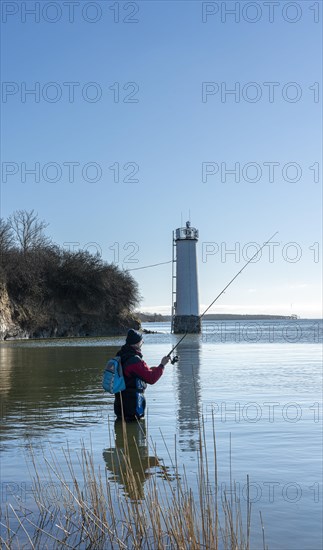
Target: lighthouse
(185,313)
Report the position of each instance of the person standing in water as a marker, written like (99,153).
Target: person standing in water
(130,403)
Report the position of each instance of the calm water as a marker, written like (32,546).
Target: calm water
(261,382)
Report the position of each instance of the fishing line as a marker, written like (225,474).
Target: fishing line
(175,359)
(152,265)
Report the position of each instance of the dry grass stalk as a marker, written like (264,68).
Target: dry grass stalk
(166,516)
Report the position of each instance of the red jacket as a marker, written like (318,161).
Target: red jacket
(137,367)
(136,374)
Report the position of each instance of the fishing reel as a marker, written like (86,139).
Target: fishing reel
(174,359)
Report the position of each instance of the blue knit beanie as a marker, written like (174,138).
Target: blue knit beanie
(133,337)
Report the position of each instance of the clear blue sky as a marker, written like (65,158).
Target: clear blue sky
(151,124)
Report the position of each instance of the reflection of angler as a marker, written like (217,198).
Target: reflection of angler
(129,460)
(175,358)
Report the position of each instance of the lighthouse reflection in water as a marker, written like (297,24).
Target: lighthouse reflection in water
(188,392)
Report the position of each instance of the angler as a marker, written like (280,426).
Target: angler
(130,404)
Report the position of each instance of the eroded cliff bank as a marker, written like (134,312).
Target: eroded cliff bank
(18,321)
(8,327)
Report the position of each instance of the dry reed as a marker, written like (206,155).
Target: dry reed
(94,513)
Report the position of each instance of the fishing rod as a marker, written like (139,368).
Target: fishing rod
(175,358)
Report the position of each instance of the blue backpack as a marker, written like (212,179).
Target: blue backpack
(113,380)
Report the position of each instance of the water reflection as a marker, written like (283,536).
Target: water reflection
(189,391)
(48,388)
(129,461)
(6,365)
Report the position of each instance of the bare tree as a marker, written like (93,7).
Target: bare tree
(6,237)
(28,230)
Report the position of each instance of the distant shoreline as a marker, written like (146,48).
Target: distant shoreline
(155,318)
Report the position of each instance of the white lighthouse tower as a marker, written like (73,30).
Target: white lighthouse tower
(185,314)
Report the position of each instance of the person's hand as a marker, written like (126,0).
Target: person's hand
(165,360)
